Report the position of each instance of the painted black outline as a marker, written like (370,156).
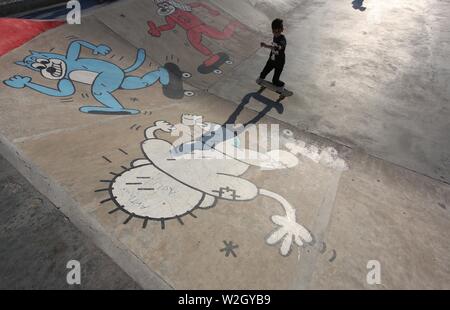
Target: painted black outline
(163,221)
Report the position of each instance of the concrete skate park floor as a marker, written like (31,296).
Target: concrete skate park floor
(366,133)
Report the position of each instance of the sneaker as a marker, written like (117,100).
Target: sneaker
(279,84)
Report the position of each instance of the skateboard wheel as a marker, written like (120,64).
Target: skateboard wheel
(288,133)
(218,71)
(187,75)
(189,93)
(229,62)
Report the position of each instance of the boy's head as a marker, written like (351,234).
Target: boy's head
(277,27)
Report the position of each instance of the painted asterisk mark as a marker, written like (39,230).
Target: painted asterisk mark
(229,248)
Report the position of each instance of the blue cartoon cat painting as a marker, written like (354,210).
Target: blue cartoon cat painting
(104,77)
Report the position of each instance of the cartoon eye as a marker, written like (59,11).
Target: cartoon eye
(186,75)
(165,5)
(38,66)
(43,61)
(229,62)
(189,93)
(218,71)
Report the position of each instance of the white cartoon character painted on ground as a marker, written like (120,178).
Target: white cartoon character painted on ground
(169,184)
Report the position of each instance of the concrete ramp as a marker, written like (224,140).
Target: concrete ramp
(258,14)
(177,210)
(77,159)
(216,33)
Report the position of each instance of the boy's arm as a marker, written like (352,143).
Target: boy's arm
(268,46)
(281,46)
(275,47)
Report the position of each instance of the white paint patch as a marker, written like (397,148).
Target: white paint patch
(172,181)
(327,157)
(289,231)
(82,76)
(148,192)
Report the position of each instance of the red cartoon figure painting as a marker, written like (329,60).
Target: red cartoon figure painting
(177,13)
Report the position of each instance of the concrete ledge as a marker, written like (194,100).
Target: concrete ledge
(130,263)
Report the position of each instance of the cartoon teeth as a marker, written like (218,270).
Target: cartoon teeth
(53,69)
(57,70)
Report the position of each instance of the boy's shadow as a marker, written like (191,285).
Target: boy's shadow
(211,138)
(358,5)
(269,105)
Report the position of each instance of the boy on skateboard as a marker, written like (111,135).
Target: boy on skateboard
(277,57)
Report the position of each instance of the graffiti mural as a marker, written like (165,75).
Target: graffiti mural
(327,156)
(168,184)
(103,76)
(177,13)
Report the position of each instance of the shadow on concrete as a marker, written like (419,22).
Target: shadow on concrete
(270,104)
(228,130)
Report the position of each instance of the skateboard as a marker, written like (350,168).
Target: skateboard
(283,92)
(175,88)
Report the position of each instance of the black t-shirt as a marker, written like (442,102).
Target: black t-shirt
(278,55)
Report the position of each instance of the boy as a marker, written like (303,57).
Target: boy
(277,58)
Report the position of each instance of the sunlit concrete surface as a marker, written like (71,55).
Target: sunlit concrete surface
(376,79)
